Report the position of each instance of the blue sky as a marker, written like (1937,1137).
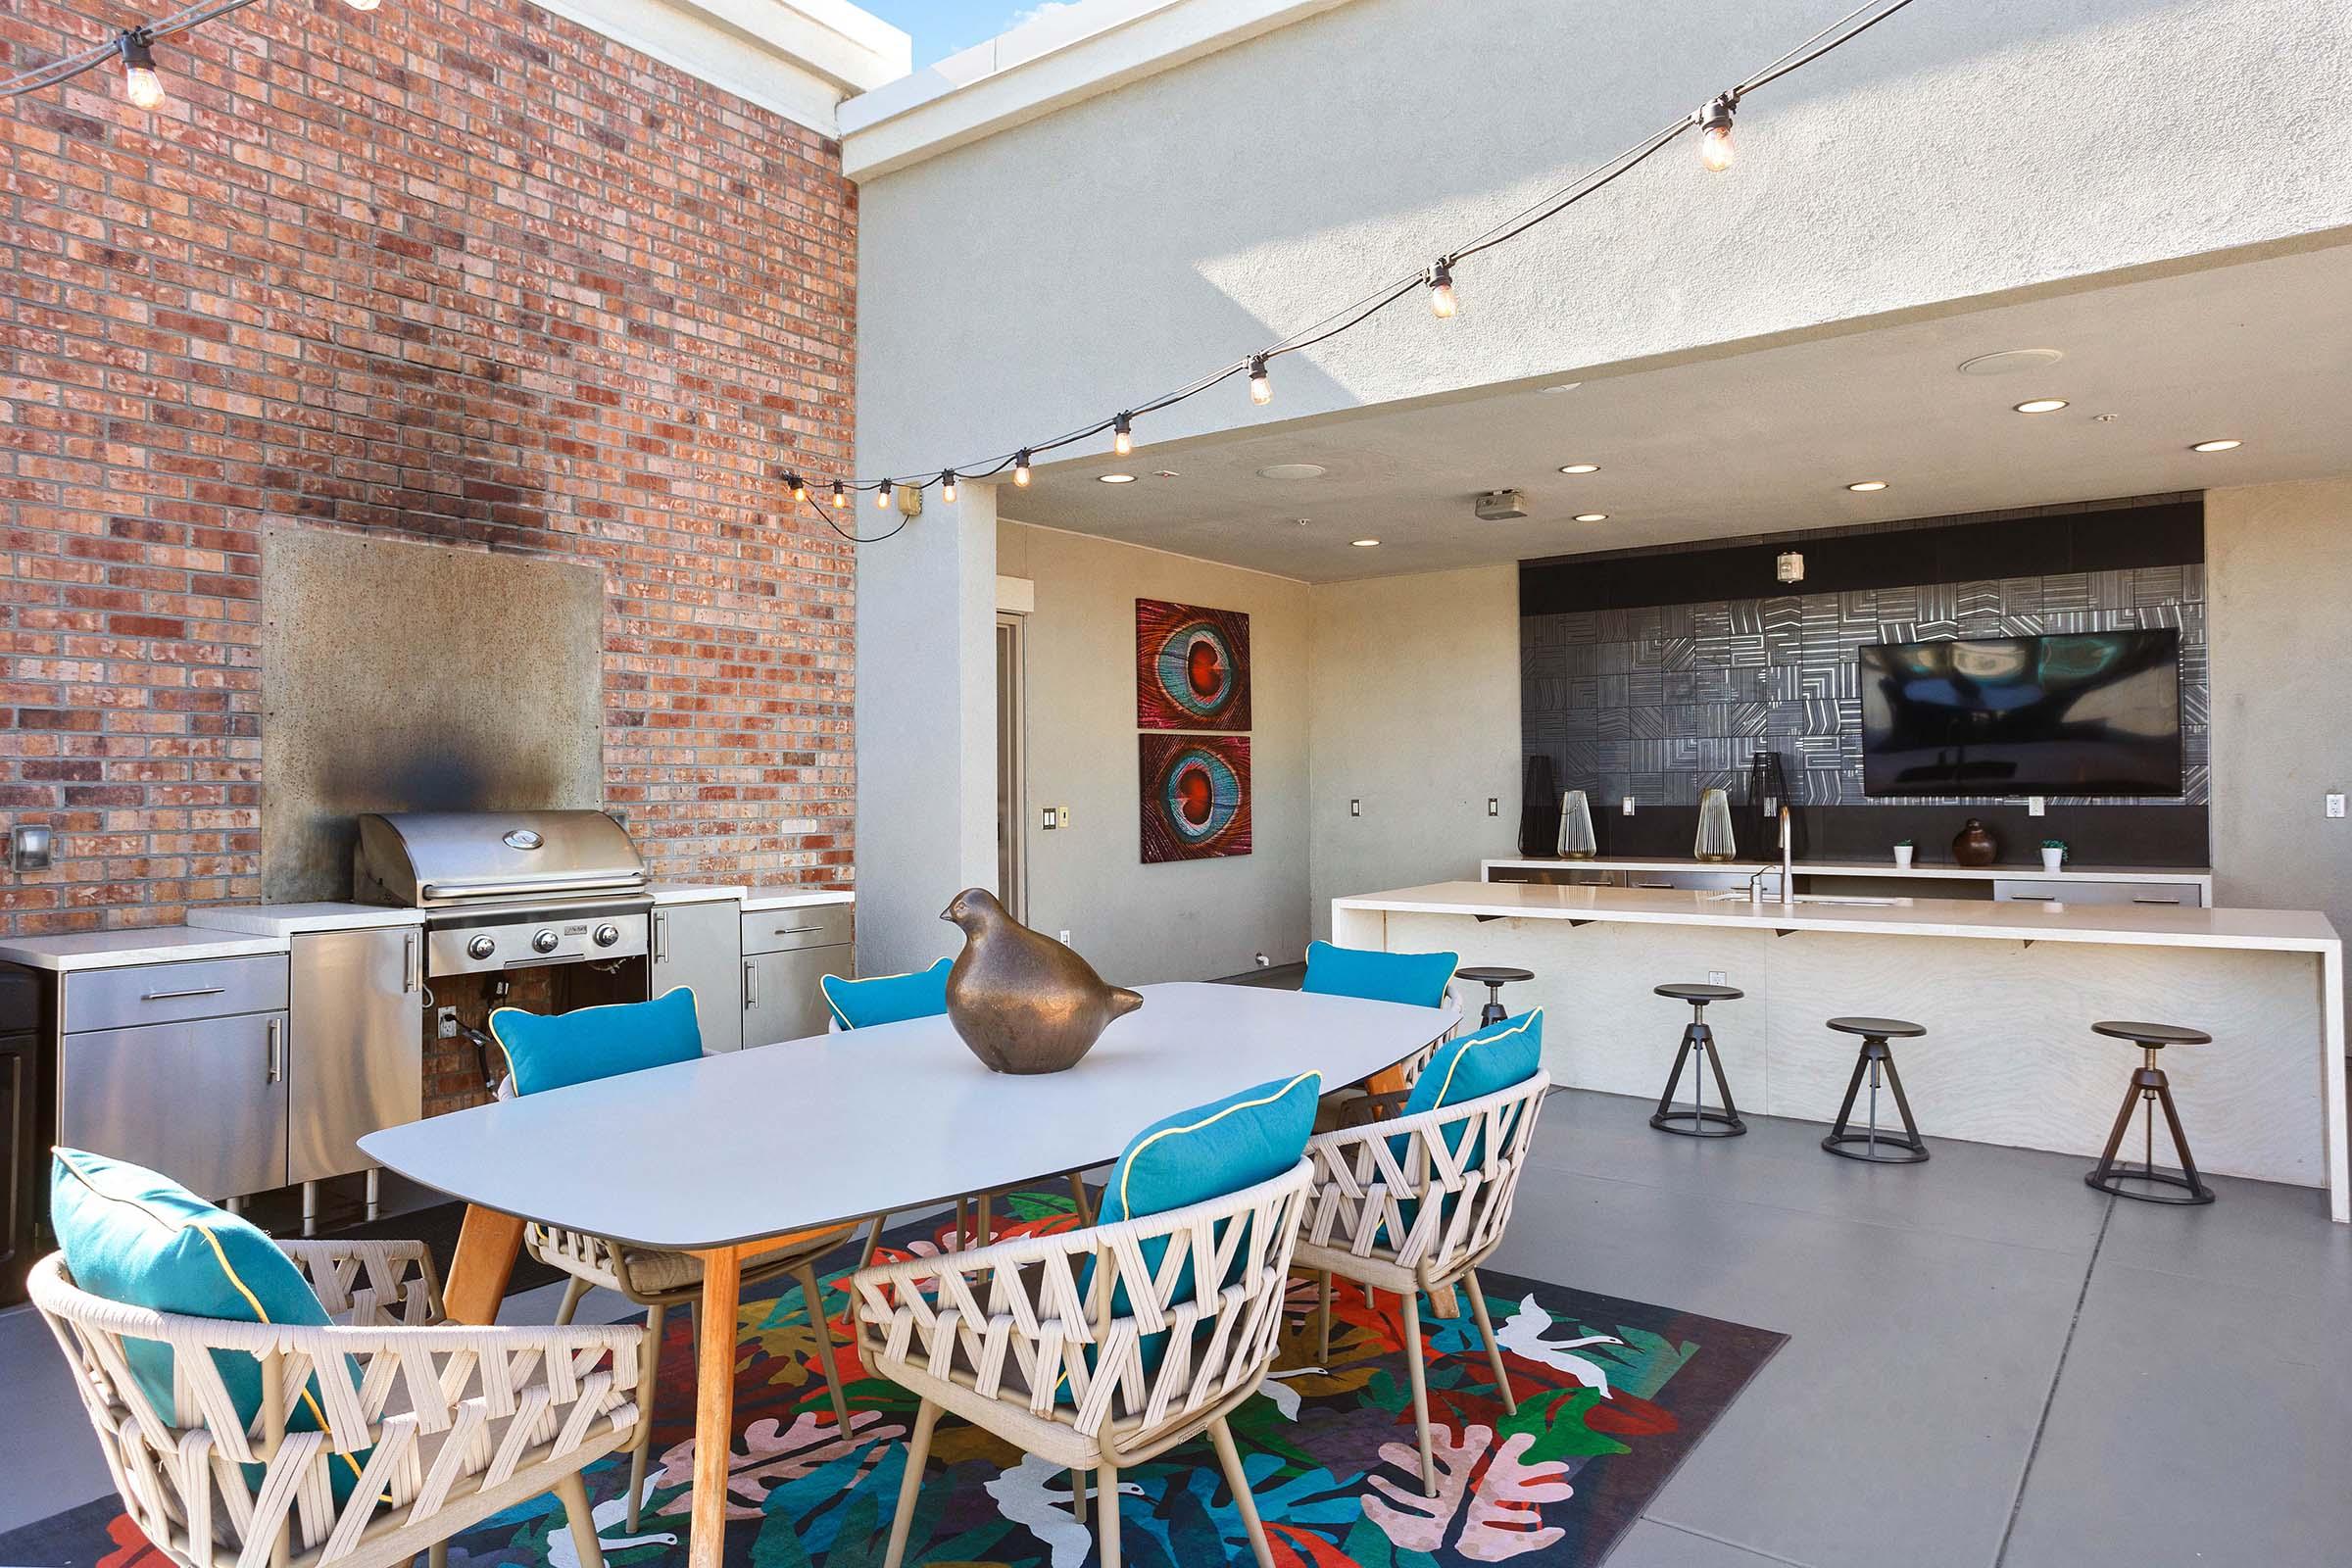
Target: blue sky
(939,27)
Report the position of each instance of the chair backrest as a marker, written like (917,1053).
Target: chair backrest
(1432,1190)
(1418,979)
(885,998)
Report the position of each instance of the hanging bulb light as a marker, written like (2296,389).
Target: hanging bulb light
(882,497)
(362,5)
(1442,301)
(800,491)
(1262,385)
(1715,133)
(946,486)
(1020,468)
(140,82)
(841,497)
(1122,434)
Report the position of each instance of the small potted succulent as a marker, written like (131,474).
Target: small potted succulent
(1902,854)
(2053,855)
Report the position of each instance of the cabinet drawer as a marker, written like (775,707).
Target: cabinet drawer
(814,925)
(204,1101)
(163,993)
(2038,890)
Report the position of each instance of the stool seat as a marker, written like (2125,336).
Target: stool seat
(1877,1028)
(1494,974)
(1699,993)
(2152,1034)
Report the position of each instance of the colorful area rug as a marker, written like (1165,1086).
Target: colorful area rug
(1612,1397)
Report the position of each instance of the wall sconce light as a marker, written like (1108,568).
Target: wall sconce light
(1790,567)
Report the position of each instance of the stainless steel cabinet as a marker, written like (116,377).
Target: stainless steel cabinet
(700,946)
(200,1099)
(2069,890)
(356,1046)
(785,953)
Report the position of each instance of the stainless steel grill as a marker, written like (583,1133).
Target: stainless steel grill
(507,890)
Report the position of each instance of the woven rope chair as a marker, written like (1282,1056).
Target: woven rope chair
(1357,1226)
(658,1281)
(463,1421)
(1003,1337)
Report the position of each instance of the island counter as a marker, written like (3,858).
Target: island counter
(2007,993)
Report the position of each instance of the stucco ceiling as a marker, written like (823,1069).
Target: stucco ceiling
(1766,440)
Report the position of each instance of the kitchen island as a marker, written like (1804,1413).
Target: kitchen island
(2007,993)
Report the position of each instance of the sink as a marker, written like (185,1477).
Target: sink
(1811,898)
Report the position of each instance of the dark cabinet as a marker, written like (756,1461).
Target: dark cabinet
(23,1147)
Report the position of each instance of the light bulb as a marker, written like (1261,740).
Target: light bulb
(800,491)
(1262,385)
(362,5)
(882,497)
(841,497)
(1020,468)
(1122,440)
(946,486)
(1442,301)
(1715,133)
(140,83)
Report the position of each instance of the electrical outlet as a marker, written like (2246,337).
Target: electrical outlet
(2037,806)
(1355,808)
(447,1023)
(1715,977)
(1629,806)
(1064,937)
(31,846)
(1493,806)
(2335,805)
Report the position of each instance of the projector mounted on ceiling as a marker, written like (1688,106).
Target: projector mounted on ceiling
(1502,506)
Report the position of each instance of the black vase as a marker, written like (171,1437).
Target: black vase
(1540,811)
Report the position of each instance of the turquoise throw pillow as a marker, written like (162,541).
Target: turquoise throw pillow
(550,1050)
(886,998)
(132,1236)
(1418,979)
(1471,1068)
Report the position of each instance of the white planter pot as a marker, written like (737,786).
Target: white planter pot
(1903,857)
(2053,860)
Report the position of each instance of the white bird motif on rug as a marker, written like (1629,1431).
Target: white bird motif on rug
(1523,1336)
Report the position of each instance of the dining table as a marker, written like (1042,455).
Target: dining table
(719,1156)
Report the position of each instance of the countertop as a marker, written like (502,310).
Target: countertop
(1886,868)
(114,950)
(759,899)
(2055,920)
(694,892)
(287,919)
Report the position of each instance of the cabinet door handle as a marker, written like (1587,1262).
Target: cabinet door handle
(275,1032)
(2169,904)
(660,937)
(174,996)
(797,930)
(412,972)
(751,987)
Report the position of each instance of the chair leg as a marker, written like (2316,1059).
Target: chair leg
(1078,1495)
(1235,1477)
(1323,1314)
(1086,1208)
(648,1382)
(964,1220)
(826,1361)
(987,1230)
(1478,1308)
(874,1240)
(574,1493)
(573,1288)
(1415,1373)
(436,1555)
(1109,1530)
(910,1485)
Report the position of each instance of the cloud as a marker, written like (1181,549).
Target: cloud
(1038,13)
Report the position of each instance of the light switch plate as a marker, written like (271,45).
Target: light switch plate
(1047,821)
(2037,806)
(2336,804)
(1629,806)
(1493,806)
(1355,808)
(1063,816)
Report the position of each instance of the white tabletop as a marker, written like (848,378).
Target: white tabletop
(894,1118)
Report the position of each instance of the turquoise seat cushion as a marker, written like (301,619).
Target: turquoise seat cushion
(1195,1155)
(886,998)
(1471,1068)
(548,1050)
(132,1236)
(1417,979)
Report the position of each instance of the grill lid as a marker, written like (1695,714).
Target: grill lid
(431,860)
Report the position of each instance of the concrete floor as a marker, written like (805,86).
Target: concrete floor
(1989,1362)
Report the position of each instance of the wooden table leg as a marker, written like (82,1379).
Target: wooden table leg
(715,1405)
(487,1244)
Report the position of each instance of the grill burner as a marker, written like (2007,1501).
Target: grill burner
(507,890)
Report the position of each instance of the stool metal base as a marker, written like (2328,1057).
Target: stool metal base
(2153,1091)
(1869,1146)
(1696,1121)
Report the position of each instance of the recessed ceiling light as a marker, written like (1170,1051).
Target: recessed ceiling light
(1591,516)
(1291,471)
(1116,478)
(2041,406)
(1580,467)
(1867,486)
(2216,446)
(1363,544)
(1564,386)
(2009,361)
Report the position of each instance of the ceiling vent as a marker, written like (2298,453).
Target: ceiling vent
(1502,506)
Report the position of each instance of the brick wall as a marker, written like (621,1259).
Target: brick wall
(457,271)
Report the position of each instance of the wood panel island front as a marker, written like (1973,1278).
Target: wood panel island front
(2008,993)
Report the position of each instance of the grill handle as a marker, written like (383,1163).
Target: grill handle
(585,882)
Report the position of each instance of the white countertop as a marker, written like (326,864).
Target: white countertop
(759,899)
(287,919)
(694,892)
(116,949)
(1886,868)
(2132,924)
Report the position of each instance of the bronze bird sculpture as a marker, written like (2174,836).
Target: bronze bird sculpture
(1024,1003)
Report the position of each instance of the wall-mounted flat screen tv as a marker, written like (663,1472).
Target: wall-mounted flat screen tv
(2073,713)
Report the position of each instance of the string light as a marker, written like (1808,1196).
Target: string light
(882,496)
(1020,468)
(1262,385)
(1442,301)
(841,497)
(800,491)
(946,486)
(1715,131)
(1124,434)
(140,83)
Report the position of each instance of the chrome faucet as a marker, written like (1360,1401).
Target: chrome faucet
(1788,860)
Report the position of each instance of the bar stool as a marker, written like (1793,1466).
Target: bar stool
(1699,1039)
(1874,1061)
(2150,1087)
(1494,978)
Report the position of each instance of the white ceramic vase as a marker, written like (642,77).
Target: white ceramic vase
(1903,857)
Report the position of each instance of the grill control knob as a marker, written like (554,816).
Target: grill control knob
(607,935)
(481,947)
(545,941)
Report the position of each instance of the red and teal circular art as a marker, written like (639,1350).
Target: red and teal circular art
(1192,667)
(1195,795)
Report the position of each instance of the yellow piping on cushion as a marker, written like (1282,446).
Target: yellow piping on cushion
(1126,1212)
(254,1302)
(497,1012)
(824,987)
